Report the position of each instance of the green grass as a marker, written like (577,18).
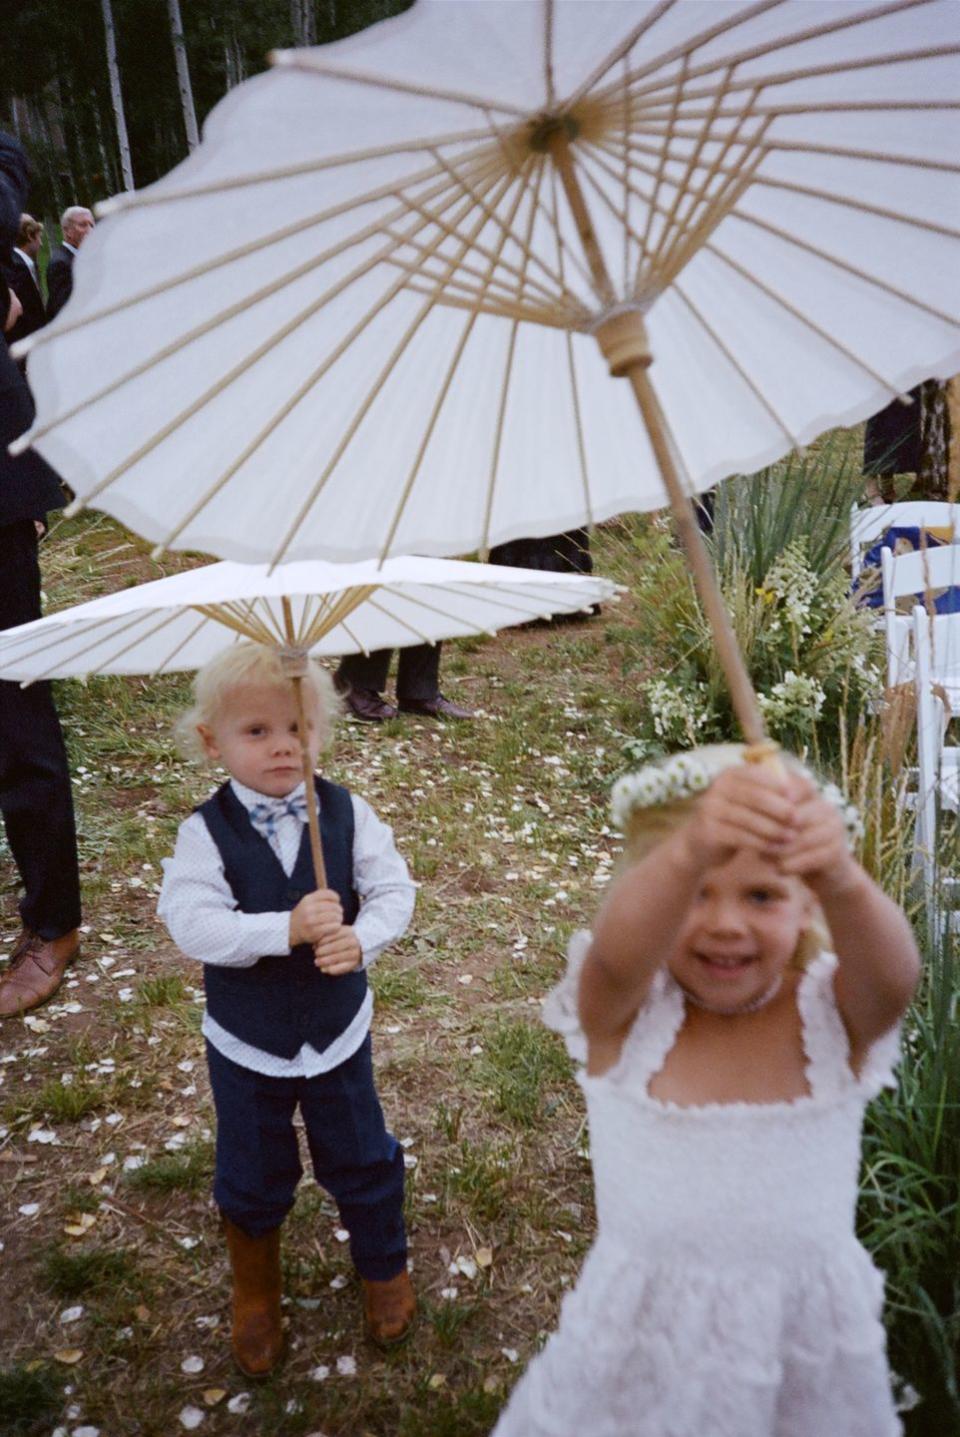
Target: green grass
(166,991)
(525,1067)
(30,1398)
(58,1102)
(910,1198)
(402,989)
(190,1170)
(69,1273)
(480,1176)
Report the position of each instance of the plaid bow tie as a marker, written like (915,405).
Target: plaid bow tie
(266,815)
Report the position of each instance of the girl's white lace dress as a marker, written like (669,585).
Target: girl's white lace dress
(726,1294)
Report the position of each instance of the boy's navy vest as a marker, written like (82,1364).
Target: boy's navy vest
(283,1000)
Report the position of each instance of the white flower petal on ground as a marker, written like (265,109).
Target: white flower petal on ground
(192,1364)
(191,1417)
(342,1235)
(41,1135)
(347,1366)
(28,1209)
(320,1373)
(72,1314)
(339,1281)
(239,1404)
(511,1354)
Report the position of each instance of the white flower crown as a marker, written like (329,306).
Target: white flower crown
(684,775)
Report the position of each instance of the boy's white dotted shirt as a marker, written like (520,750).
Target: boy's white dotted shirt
(198,907)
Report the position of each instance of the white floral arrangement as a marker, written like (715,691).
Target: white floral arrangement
(797,697)
(791,585)
(684,775)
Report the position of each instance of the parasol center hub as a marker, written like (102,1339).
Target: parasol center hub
(624,342)
(546,129)
(293,661)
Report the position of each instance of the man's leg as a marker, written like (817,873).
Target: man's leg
(35,799)
(363,678)
(418,684)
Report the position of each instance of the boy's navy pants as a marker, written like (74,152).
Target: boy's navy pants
(354,1157)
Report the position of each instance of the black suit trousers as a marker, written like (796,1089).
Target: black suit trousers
(418,671)
(35,795)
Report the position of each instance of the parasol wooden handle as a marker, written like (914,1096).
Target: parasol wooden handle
(310,791)
(294,659)
(622,337)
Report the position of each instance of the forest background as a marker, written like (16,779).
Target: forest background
(108,94)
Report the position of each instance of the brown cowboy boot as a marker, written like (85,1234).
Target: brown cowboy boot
(36,970)
(257,1337)
(389,1308)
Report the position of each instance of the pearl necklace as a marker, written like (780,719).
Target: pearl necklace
(754,1005)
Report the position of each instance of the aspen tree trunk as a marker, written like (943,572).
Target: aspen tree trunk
(106,162)
(303,21)
(126,169)
(183,75)
(233,67)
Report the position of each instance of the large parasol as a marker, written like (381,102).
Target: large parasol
(375,311)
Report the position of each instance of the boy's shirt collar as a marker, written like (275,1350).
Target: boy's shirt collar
(250,798)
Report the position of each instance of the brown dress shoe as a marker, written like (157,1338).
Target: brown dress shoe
(257,1336)
(439,707)
(388,1309)
(369,706)
(37,966)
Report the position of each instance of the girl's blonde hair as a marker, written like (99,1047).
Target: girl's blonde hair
(648,825)
(236,667)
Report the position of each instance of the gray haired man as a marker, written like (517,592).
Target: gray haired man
(76,223)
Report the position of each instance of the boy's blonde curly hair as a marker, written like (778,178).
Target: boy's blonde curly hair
(246,663)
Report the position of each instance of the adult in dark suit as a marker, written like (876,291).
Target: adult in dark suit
(23,277)
(35,795)
(76,223)
(363,677)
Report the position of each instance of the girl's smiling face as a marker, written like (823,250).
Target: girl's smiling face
(256,736)
(741,932)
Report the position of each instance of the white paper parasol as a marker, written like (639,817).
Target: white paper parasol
(363,317)
(302,608)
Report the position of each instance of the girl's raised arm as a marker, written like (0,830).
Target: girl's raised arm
(878,963)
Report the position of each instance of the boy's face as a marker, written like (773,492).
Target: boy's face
(255,735)
(741,931)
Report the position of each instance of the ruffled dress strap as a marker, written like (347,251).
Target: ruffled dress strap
(827,1046)
(651,1036)
(561,1007)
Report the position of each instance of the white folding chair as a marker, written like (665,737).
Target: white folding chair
(938,764)
(926,572)
(870,522)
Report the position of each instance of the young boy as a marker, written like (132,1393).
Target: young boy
(287,1020)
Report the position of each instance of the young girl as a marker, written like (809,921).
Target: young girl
(729,1058)
(287,1020)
